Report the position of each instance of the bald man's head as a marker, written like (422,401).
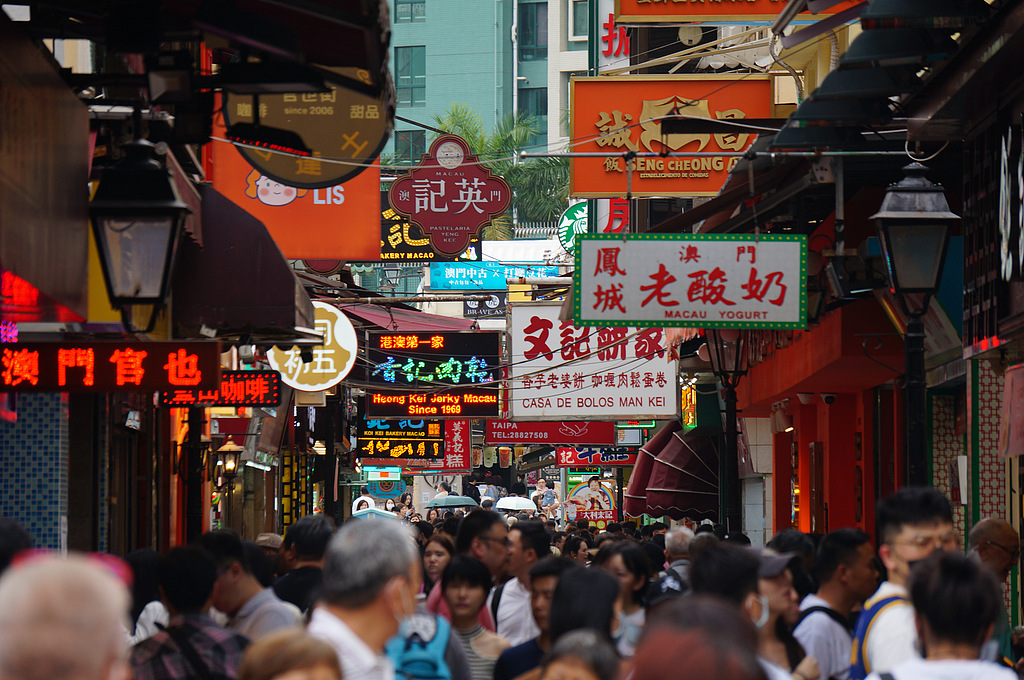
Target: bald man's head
(996,544)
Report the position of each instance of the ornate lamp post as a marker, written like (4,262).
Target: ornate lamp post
(913,224)
(728,352)
(228,457)
(136,219)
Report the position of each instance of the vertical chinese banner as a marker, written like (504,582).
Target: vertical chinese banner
(456,449)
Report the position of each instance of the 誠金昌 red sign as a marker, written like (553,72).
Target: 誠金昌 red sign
(108,366)
(579,432)
(237,388)
(450,196)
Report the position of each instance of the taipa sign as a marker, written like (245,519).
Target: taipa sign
(450,195)
(618,114)
(329,363)
(561,372)
(581,432)
(697,280)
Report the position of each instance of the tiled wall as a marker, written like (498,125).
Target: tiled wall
(992,473)
(34,465)
(946,446)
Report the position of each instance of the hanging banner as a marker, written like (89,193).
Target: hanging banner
(582,432)
(494,307)
(617,114)
(586,457)
(561,372)
(731,11)
(327,364)
(450,195)
(339,222)
(100,366)
(696,280)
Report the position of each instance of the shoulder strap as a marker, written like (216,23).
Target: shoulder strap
(832,614)
(180,638)
(495,599)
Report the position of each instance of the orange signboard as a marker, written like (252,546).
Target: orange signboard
(617,114)
(341,222)
(724,11)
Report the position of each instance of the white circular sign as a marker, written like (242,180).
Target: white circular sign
(329,363)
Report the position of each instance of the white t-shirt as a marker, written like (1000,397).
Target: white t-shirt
(825,639)
(892,637)
(948,669)
(515,618)
(369,500)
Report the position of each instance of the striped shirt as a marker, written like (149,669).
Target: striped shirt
(481,668)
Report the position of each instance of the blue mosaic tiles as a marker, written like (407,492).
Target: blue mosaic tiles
(34,467)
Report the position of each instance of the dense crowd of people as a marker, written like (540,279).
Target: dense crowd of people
(482,596)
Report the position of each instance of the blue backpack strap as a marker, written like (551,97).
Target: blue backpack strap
(859,666)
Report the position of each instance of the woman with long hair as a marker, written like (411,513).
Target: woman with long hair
(628,563)
(437,553)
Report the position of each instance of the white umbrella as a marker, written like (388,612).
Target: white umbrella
(515,503)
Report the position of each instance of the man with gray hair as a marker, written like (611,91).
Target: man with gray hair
(371,578)
(675,580)
(63,620)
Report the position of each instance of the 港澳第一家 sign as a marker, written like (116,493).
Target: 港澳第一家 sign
(620,114)
(704,281)
(559,371)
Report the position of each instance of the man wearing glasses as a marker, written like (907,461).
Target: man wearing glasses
(995,543)
(912,524)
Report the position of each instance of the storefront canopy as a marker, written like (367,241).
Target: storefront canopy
(676,475)
(397,319)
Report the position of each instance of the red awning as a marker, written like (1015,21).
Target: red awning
(675,476)
(396,319)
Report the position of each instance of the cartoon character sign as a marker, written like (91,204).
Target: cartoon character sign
(268,191)
(592,502)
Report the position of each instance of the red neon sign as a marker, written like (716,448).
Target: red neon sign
(108,366)
(237,388)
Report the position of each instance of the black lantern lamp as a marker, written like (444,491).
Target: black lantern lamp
(228,457)
(913,224)
(728,352)
(137,217)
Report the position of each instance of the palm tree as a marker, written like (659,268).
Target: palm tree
(539,185)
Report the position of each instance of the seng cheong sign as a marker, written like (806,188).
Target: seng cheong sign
(618,114)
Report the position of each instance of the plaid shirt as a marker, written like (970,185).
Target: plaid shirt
(159,658)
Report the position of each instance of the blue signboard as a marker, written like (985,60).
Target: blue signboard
(482,275)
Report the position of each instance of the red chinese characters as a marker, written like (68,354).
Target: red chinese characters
(237,388)
(19,366)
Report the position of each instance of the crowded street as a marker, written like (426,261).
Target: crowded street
(511,340)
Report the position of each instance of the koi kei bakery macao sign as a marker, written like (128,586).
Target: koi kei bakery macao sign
(617,114)
(726,11)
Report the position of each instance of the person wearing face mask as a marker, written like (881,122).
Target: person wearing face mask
(912,524)
(775,643)
(371,575)
(732,572)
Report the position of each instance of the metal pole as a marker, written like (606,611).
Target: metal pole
(914,396)
(563,474)
(194,524)
(729,466)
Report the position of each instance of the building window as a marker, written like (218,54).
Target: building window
(410,144)
(408,11)
(533,31)
(411,71)
(533,101)
(579,19)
